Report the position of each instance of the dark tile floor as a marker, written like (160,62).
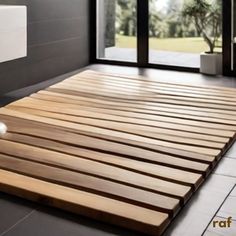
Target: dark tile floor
(23,218)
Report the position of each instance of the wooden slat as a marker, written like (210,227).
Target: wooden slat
(152,153)
(120,97)
(124,95)
(80,82)
(125,117)
(145,106)
(156,82)
(109,105)
(186,125)
(161,88)
(84,203)
(116,134)
(122,119)
(217,118)
(90,183)
(150,158)
(145,131)
(98,169)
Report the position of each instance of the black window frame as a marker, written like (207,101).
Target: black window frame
(143,40)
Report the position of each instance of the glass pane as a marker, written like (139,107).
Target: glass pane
(177,30)
(117,30)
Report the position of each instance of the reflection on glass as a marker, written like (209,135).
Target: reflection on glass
(117,30)
(175,36)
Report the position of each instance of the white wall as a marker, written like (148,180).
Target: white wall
(13,32)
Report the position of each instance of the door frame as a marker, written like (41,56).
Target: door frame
(143,40)
(227,38)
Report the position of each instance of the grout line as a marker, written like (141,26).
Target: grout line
(217,209)
(56,41)
(234,158)
(18,222)
(231,176)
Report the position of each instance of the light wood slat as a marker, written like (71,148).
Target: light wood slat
(145,152)
(152,87)
(161,88)
(165,112)
(133,95)
(150,92)
(174,123)
(116,134)
(132,162)
(148,116)
(140,92)
(161,127)
(90,183)
(122,97)
(156,82)
(145,106)
(191,114)
(129,114)
(149,173)
(150,132)
(84,203)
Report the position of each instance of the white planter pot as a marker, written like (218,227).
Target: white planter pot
(211,64)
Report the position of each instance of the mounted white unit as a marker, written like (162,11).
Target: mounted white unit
(13,32)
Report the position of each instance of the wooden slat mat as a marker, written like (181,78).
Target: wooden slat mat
(125,150)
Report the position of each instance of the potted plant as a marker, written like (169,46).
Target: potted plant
(207,18)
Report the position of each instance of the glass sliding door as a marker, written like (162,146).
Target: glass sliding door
(174,38)
(117,30)
(157,33)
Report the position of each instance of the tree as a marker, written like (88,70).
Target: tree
(110,20)
(157,25)
(128,17)
(206,18)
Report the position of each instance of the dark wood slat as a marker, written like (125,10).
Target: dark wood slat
(119,160)
(99,169)
(181,124)
(116,134)
(97,185)
(139,110)
(146,131)
(94,206)
(108,144)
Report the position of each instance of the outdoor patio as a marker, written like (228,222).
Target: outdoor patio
(156,57)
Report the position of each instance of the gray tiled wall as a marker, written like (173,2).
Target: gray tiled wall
(58,42)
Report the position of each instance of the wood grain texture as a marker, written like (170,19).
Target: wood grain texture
(135,104)
(91,205)
(137,155)
(121,149)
